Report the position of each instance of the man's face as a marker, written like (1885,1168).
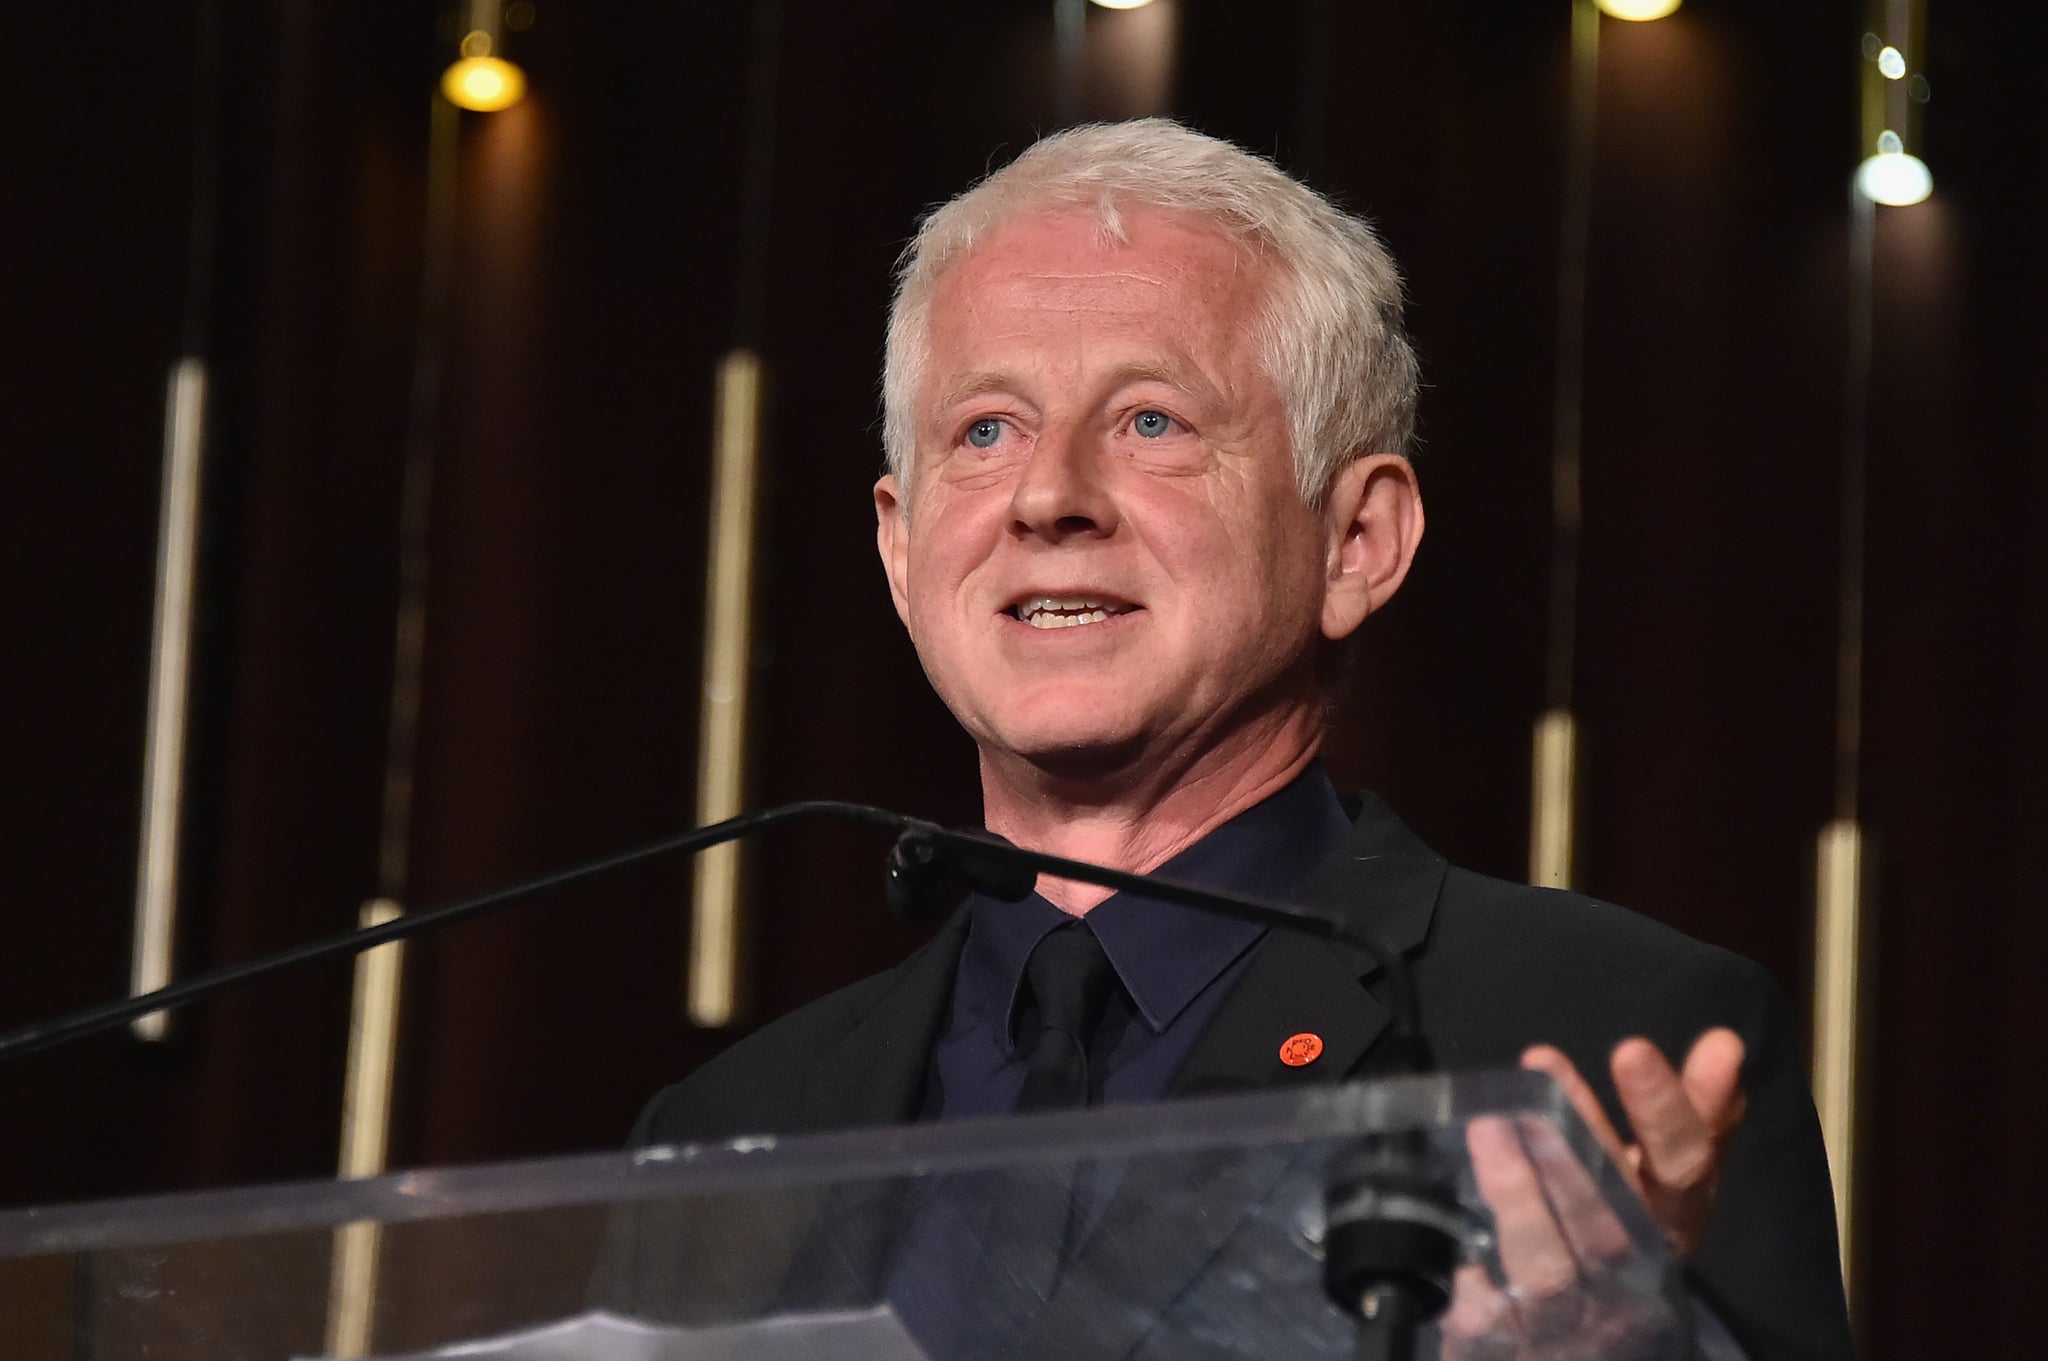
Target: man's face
(1104,560)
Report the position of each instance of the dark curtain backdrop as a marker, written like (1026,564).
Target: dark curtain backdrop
(596,239)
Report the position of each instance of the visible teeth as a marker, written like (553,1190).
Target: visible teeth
(1059,612)
(1049,602)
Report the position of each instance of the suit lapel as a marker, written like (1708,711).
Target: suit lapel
(874,1074)
(1382,880)
(1293,985)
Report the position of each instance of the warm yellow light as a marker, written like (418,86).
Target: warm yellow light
(1891,63)
(1637,10)
(1895,179)
(484,84)
(1123,4)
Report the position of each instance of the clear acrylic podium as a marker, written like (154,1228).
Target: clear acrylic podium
(1191,1229)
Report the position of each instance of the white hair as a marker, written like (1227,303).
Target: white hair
(1329,336)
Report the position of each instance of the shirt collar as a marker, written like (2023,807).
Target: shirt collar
(1167,955)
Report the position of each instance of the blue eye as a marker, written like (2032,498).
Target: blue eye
(984,433)
(1152,424)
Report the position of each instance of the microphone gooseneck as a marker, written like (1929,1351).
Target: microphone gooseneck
(40,1035)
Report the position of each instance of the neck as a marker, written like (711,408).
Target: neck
(1137,822)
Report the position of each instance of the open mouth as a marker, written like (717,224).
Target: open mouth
(1065,612)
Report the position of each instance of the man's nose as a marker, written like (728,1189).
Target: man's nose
(1063,488)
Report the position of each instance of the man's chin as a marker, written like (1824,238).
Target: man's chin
(1073,756)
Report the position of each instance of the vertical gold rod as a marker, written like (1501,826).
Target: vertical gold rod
(1552,794)
(1554,790)
(1838,992)
(722,717)
(374,1011)
(170,674)
(365,1126)
(1841,913)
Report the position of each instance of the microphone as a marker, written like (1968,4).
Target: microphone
(930,869)
(922,882)
(1391,1208)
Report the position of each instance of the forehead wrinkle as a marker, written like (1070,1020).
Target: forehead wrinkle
(1070,282)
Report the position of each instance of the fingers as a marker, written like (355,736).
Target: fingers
(1677,1144)
(1713,1079)
(1681,1122)
(1595,1236)
(1556,1240)
(1480,1325)
(1534,1253)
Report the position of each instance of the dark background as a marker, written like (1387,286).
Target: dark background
(597,240)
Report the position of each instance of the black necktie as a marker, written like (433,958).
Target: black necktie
(1070,978)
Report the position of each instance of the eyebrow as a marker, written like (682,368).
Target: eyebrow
(1183,376)
(973,385)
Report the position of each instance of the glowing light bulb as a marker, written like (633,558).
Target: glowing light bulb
(1638,11)
(483,84)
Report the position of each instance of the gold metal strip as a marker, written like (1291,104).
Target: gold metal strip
(722,718)
(1553,796)
(170,675)
(1838,982)
(365,1132)
(1553,784)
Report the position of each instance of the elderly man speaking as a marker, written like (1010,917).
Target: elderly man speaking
(1147,407)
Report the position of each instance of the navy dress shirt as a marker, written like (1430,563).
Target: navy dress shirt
(1174,965)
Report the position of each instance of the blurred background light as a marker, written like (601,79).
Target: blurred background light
(1892,63)
(1123,4)
(481,82)
(1637,10)
(1895,179)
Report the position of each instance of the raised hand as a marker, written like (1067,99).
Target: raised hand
(1682,1120)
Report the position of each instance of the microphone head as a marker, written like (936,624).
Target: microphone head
(918,881)
(930,872)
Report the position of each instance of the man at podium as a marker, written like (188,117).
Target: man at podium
(1147,408)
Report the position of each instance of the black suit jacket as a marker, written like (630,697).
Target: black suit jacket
(1497,967)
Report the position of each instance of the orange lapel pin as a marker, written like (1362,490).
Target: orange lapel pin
(1301,1050)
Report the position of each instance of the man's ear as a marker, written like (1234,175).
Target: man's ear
(1374,523)
(892,541)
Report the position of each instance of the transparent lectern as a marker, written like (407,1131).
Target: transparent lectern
(1193,1229)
